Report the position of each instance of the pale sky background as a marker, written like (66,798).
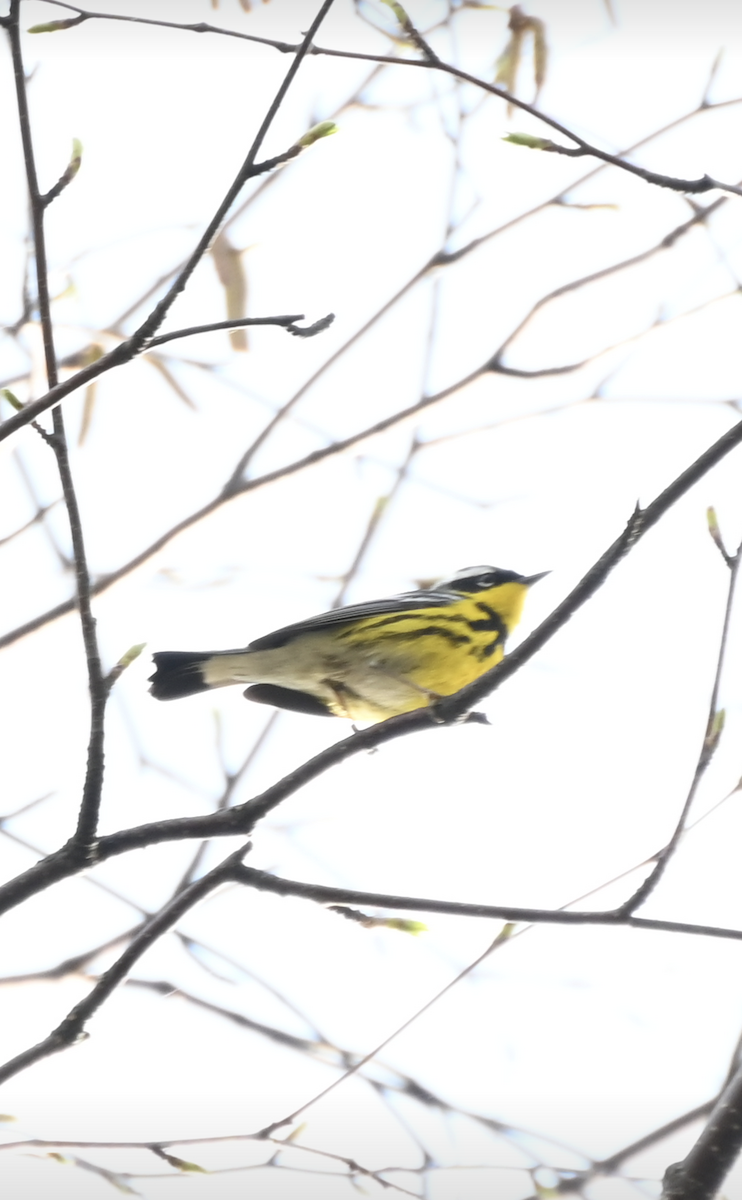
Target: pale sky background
(589,1036)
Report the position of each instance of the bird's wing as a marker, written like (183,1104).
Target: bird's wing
(407,602)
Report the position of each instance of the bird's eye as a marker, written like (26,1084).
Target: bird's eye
(485,581)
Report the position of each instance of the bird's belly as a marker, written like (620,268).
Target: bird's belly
(366,680)
(385,677)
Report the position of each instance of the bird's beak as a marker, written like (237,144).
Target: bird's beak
(529,580)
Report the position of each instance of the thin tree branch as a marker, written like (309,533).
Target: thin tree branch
(665,243)
(237,323)
(500,940)
(607,1167)
(702,1172)
(709,744)
(319,894)
(694,187)
(93,783)
(430,61)
(38,516)
(159,1150)
(232,779)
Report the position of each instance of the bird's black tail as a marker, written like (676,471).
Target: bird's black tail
(178,673)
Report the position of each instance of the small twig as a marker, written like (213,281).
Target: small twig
(574,1184)
(665,243)
(34,520)
(92,786)
(705,102)
(412,32)
(192,27)
(65,178)
(708,748)
(236,323)
(159,1149)
(500,940)
(312,330)
(380,507)
(584,149)
(75,964)
(231,782)
(320,894)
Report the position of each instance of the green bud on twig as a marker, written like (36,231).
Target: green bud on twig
(528,140)
(53,26)
(323,129)
(13,400)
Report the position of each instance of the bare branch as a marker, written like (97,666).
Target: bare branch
(702,1172)
(239,323)
(90,801)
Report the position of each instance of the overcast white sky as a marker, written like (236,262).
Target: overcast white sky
(586,1035)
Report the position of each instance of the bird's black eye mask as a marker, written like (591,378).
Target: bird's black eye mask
(477,582)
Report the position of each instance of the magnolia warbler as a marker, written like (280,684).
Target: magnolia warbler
(367,661)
